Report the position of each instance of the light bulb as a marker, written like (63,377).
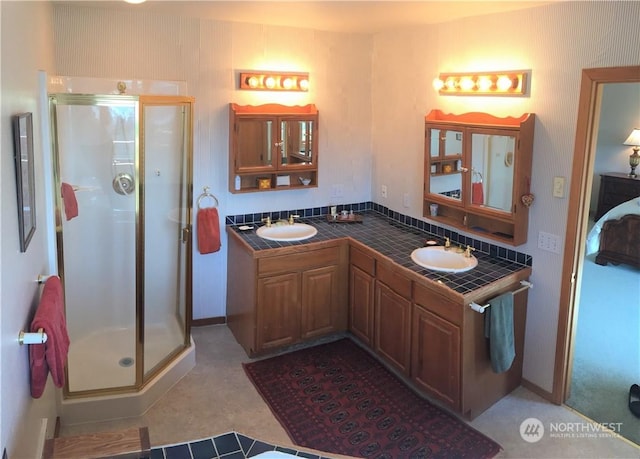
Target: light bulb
(450,83)
(484,83)
(466,83)
(504,83)
(253,82)
(270,82)
(303,84)
(287,83)
(438,84)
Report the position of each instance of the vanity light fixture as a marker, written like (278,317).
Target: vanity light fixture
(274,81)
(634,159)
(504,83)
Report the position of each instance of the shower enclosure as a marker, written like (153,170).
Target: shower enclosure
(125,258)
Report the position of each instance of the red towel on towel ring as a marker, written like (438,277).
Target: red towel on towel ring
(208,230)
(52,355)
(477,193)
(69,200)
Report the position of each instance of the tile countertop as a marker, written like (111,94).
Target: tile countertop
(396,241)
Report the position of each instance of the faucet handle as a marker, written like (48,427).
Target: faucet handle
(291,217)
(467,252)
(267,220)
(447,242)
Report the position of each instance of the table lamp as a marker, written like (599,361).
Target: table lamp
(634,159)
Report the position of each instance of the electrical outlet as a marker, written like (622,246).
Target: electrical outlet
(558,187)
(549,242)
(383,191)
(405,199)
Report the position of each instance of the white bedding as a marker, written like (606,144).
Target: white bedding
(632,206)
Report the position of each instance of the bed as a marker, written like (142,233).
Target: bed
(615,237)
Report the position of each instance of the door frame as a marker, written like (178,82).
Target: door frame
(578,213)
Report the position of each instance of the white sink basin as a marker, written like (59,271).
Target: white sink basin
(447,261)
(286,232)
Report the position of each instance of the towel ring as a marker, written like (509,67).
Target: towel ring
(206,194)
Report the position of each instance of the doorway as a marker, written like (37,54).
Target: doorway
(578,223)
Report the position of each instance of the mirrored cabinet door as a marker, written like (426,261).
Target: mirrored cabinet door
(492,170)
(297,142)
(255,143)
(445,153)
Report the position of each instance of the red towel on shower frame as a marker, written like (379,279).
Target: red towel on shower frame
(50,357)
(208,230)
(69,200)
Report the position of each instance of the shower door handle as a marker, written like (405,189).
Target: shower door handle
(186,233)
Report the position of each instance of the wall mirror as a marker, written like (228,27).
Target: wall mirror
(23,151)
(445,151)
(492,170)
(477,173)
(272,147)
(255,144)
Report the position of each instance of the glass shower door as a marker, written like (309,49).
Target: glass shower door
(167,232)
(96,150)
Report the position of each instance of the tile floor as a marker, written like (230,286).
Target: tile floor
(216,398)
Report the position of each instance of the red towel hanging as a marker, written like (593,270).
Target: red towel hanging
(69,201)
(50,357)
(208,230)
(477,193)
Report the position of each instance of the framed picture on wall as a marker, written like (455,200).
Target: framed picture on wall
(23,150)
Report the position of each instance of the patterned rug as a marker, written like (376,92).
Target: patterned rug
(337,398)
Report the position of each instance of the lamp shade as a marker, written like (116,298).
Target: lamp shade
(633,139)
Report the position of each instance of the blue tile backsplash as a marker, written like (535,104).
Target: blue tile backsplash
(394,235)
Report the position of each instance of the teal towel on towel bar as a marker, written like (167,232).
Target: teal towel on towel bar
(498,327)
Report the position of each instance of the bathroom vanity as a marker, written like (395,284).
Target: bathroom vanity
(419,323)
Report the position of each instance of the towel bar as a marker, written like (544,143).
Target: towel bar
(478,308)
(32,338)
(206,194)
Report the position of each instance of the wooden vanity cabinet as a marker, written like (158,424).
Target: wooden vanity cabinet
(477,170)
(362,271)
(436,345)
(283,298)
(272,147)
(392,318)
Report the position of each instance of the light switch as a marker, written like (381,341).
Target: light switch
(558,187)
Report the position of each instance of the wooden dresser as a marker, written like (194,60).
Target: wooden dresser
(615,188)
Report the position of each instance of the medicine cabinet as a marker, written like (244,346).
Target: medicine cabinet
(272,147)
(477,173)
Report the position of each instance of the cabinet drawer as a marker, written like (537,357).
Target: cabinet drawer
(437,304)
(396,282)
(299,261)
(362,260)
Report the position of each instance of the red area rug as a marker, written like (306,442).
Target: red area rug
(337,398)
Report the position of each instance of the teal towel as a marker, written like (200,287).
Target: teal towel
(498,327)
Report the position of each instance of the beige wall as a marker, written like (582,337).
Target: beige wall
(26,48)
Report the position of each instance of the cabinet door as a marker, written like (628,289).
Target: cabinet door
(361,291)
(254,142)
(393,327)
(278,312)
(436,356)
(319,300)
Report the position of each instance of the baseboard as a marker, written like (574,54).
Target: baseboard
(42,437)
(538,391)
(208,321)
